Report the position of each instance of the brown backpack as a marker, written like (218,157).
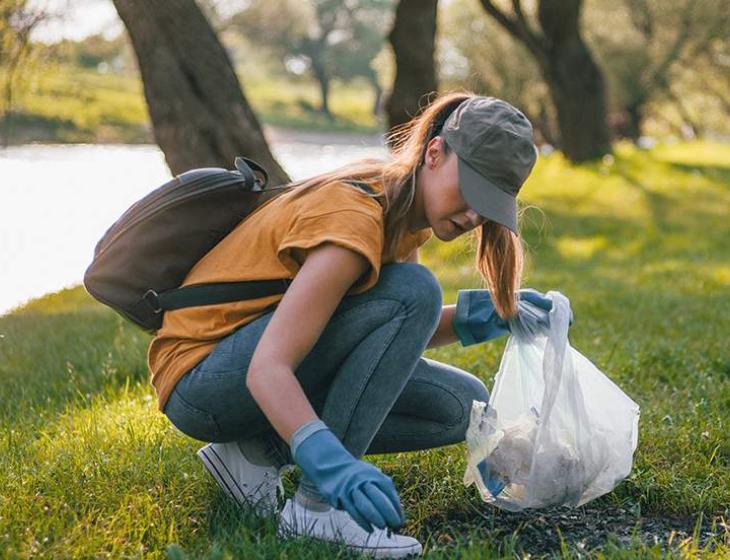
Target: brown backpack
(146,254)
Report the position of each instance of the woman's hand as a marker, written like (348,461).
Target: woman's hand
(347,483)
(476,319)
(533,315)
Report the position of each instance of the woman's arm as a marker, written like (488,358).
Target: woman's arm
(445,333)
(327,272)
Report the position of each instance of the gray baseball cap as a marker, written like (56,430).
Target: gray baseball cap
(494,144)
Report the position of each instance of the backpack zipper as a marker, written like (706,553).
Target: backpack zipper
(146,212)
(122,225)
(171,190)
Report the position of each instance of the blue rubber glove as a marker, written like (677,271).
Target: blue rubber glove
(347,483)
(494,482)
(476,319)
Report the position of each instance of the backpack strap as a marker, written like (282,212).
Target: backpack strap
(209,294)
(362,185)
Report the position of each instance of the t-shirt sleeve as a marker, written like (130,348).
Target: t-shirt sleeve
(354,229)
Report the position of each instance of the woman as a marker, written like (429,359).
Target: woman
(333,370)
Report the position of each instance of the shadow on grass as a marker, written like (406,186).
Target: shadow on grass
(717,173)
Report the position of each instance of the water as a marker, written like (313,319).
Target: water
(56,201)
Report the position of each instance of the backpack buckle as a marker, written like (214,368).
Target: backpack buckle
(153,300)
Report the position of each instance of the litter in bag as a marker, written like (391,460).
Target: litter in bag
(556,430)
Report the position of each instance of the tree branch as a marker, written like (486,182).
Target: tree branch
(658,74)
(530,34)
(722,97)
(517,26)
(642,18)
(684,111)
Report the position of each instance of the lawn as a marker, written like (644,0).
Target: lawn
(640,243)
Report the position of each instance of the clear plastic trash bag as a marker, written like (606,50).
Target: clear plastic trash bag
(556,430)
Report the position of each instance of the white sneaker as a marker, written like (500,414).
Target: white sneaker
(337,526)
(248,484)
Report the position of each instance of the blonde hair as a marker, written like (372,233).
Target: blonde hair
(500,255)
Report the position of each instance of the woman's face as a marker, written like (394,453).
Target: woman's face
(442,203)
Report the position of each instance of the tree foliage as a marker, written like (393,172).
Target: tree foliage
(17,21)
(327,38)
(645,46)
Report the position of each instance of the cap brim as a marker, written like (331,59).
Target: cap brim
(486,198)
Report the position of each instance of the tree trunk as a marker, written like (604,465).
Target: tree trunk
(378,92)
(323,80)
(577,89)
(199,115)
(691,128)
(324,90)
(546,128)
(413,40)
(7,125)
(635,114)
(575,82)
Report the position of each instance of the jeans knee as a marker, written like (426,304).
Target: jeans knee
(477,391)
(421,288)
(472,389)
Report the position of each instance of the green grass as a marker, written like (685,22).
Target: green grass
(640,245)
(69,104)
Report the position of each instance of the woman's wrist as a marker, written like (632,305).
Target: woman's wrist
(304,431)
(476,319)
(460,317)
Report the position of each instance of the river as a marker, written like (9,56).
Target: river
(58,200)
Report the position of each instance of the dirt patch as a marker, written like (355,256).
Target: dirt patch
(584,529)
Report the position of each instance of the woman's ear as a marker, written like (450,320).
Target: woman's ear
(434,151)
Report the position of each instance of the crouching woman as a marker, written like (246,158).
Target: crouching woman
(333,370)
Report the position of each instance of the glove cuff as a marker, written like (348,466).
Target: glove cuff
(473,307)
(304,431)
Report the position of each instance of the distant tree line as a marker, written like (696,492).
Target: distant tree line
(586,72)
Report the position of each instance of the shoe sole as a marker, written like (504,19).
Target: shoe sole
(287,530)
(219,470)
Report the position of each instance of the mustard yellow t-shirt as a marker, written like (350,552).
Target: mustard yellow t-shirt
(259,248)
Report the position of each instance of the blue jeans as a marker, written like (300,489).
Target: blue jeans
(365,377)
